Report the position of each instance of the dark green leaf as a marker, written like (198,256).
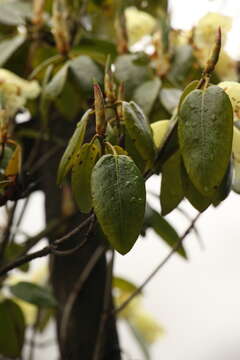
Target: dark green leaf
(84,162)
(163,229)
(172,192)
(225,186)
(118,192)
(198,200)
(33,294)
(139,130)
(12,329)
(205,137)
(73,147)
(145,95)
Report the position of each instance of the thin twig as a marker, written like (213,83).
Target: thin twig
(6,234)
(76,290)
(156,270)
(44,251)
(106,305)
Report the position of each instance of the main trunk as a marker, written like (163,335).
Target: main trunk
(85,317)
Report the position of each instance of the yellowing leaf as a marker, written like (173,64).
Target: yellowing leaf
(14,165)
(73,147)
(81,175)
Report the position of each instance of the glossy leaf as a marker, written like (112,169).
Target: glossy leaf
(12,329)
(163,229)
(9,46)
(81,175)
(33,294)
(139,130)
(146,94)
(118,192)
(205,137)
(73,147)
(172,192)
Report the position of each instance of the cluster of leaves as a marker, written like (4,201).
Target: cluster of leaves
(151,117)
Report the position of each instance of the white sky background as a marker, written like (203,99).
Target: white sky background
(197,302)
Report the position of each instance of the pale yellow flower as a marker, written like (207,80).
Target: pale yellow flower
(206,29)
(15,91)
(139,24)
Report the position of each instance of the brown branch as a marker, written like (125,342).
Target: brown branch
(106,306)
(44,251)
(156,270)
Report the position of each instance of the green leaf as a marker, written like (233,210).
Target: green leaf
(130,146)
(83,70)
(163,229)
(119,196)
(172,192)
(9,46)
(188,89)
(131,73)
(124,285)
(139,130)
(84,162)
(198,200)
(14,250)
(54,88)
(225,186)
(146,94)
(33,294)
(205,135)
(73,147)
(12,329)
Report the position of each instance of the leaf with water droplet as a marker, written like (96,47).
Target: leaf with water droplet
(115,180)
(81,175)
(205,143)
